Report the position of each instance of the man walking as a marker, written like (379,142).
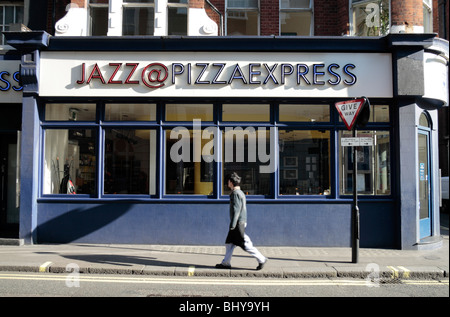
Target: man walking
(238,221)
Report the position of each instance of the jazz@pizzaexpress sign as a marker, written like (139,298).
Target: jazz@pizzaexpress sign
(157,75)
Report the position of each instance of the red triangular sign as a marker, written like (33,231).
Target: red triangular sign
(349,110)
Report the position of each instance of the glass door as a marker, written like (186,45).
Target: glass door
(425,202)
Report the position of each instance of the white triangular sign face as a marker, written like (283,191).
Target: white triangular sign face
(349,111)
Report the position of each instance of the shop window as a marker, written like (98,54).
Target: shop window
(246,113)
(70,112)
(70,161)
(295,144)
(378,114)
(304,113)
(370,18)
(189,112)
(138,17)
(296,17)
(10,13)
(177,12)
(242,17)
(374,173)
(245,152)
(130,161)
(130,112)
(304,162)
(189,165)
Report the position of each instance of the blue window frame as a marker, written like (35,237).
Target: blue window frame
(183,149)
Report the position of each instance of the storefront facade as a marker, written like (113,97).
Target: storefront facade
(129,140)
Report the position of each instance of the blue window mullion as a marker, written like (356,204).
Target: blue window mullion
(334,163)
(161,163)
(275,177)
(218,163)
(100,149)
(101,161)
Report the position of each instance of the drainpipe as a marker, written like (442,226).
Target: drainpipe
(220,15)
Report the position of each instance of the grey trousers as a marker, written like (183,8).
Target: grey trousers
(248,247)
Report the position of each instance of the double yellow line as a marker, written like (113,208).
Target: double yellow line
(399,270)
(204,281)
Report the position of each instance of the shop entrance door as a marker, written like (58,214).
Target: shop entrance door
(425,181)
(9,211)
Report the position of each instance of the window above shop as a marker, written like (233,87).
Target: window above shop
(138,17)
(370,17)
(10,14)
(98,13)
(242,17)
(428,16)
(177,13)
(296,17)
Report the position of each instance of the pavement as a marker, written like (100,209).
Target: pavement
(187,260)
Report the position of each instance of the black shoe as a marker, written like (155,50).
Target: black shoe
(223,266)
(261,265)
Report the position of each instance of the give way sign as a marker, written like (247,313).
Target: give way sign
(349,110)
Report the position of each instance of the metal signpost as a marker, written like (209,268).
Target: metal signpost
(355,113)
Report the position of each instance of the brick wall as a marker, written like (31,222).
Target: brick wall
(198,4)
(213,15)
(220,5)
(342,19)
(80,3)
(331,17)
(269,17)
(325,14)
(407,12)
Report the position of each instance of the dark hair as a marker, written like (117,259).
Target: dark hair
(234,178)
